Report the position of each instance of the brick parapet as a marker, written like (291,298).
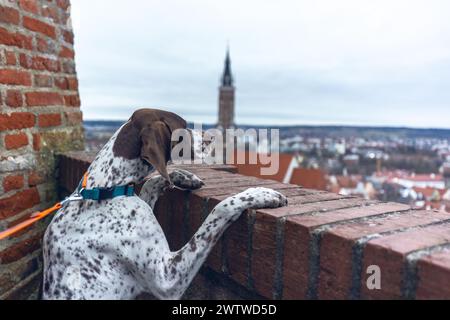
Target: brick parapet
(318,247)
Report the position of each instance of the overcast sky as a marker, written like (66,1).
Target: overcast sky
(362,62)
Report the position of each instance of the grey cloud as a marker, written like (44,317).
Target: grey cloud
(295,62)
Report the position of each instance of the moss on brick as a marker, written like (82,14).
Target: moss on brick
(40,130)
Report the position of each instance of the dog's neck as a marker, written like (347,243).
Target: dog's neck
(108,170)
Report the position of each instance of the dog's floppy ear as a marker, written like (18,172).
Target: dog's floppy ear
(172,120)
(156,146)
(148,135)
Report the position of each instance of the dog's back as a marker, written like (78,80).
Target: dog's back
(86,243)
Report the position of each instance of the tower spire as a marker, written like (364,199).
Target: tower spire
(226,96)
(227,76)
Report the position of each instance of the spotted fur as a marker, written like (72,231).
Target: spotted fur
(116,249)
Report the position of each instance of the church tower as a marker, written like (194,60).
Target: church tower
(226,97)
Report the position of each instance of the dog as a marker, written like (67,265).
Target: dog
(115,248)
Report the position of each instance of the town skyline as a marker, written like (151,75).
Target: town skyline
(346,63)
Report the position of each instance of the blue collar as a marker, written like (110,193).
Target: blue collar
(105,193)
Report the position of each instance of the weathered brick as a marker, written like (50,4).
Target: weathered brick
(17,120)
(72,100)
(39,63)
(390,252)
(9,15)
(235,244)
(310,207)
(299,236)
(72,84)
(18,202)
(15,77)
(267,225)
(39,26)
(43,80)
(237,253)
(46,45)
(338,243)
(66,53)
(227,186)
(35,178)
(13,182)
(64,18)
(336,216)
(14,98)
(202,202)
(214,260)
(40,98)
(67,83)
(347,220)
(196,207)
(25,289)
(433,272)
(161,212)
(68,36)
(15,141)
(264,254)
(42,44)
(51,12)
(21,249)
(68,66)
(10,57)
(36,43)
(63,4)
(36,141)
(29,5)
(17,271)
(316,197)
(177,209)
(26,61)
(49,120)
(15,39)
(73,118)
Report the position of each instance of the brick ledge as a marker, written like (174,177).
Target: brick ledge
(319,247)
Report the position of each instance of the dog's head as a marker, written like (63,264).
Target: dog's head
(148,135)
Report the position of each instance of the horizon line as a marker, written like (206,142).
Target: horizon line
(376,126)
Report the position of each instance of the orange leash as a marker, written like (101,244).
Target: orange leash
(39,215)
(84,183)
(32,219)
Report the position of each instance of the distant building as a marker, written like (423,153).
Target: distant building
(286,166)
(410,180)
(226,97)
(309,178)
(446,169)
(351,160)
(421,181)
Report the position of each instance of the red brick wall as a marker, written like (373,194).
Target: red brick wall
(318,247)
(39,117)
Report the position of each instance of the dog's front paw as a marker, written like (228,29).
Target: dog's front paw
(260,197)
(185,180)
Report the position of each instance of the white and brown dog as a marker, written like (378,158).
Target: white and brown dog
(115,248)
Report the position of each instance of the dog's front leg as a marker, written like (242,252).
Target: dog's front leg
(177,269)
(154,187)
